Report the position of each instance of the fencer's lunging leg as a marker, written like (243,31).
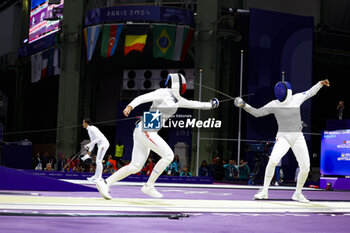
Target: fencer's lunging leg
(159,168)
(138,159)
(157,144)
(279,150)
(302,155)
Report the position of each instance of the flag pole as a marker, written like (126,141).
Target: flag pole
(240,113)
(199,117)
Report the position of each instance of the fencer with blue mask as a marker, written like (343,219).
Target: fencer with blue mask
(165,101)
(286,109)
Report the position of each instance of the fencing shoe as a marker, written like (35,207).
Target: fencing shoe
(300,197)
(261,195)
(151,191)
(92,179)
(103,189)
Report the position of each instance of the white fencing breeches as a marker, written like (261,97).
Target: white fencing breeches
(296,142)
(144,141)
(102,149)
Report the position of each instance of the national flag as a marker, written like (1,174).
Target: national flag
(110,36)
(50,66)
(91,36)
(163,40)
(36,63)
(187,35)
(45,61)
(179,41)
(135,38)
(56,61)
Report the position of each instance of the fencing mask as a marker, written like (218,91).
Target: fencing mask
(176,82)
(283,90)
(86,160)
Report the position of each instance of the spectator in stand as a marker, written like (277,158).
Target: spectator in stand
(340,110)
(172,170)
(147,170)
(37,163)
(70,162)
(79,167)
(62,161)
(177,161)
(92,168)
(186,172)
(48,167)
(109,168)
(45,159)
(76,165)
(52,159)
(67,169)
(231,171)
(244,170)
(113,162)
(204,169)
(218,169)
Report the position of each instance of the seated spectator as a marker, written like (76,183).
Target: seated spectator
(172,170)
(76,165)
(37,162)
(52,159)
(204,169)
(147,170)
(71,163)
(231,171)
(244,171)
(177,161)
(186,172)
(109,168)
(79,168)
(48,167)
(113,162)
(62,161)
(67,169)
(93,168)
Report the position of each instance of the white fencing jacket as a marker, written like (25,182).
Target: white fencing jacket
(167,102)
(96,137)
(287,113)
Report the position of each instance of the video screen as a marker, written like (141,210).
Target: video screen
(38,26)
(335,152)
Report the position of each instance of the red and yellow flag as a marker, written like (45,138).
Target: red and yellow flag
(135,38)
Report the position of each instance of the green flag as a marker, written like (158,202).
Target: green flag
(163,41)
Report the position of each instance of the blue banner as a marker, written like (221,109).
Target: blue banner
(131,178)
(335,153)
(37,46)
(35,3)
(140,13)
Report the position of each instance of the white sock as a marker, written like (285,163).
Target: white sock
(119,175)
(270,170)
(158,170)
(301,180)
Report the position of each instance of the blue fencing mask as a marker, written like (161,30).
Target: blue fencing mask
(281,90)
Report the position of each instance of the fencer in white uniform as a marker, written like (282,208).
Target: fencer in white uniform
(165,101)
(96,137)
(286,109)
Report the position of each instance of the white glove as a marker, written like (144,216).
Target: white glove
(214,103)
(239,102)
(87,146)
